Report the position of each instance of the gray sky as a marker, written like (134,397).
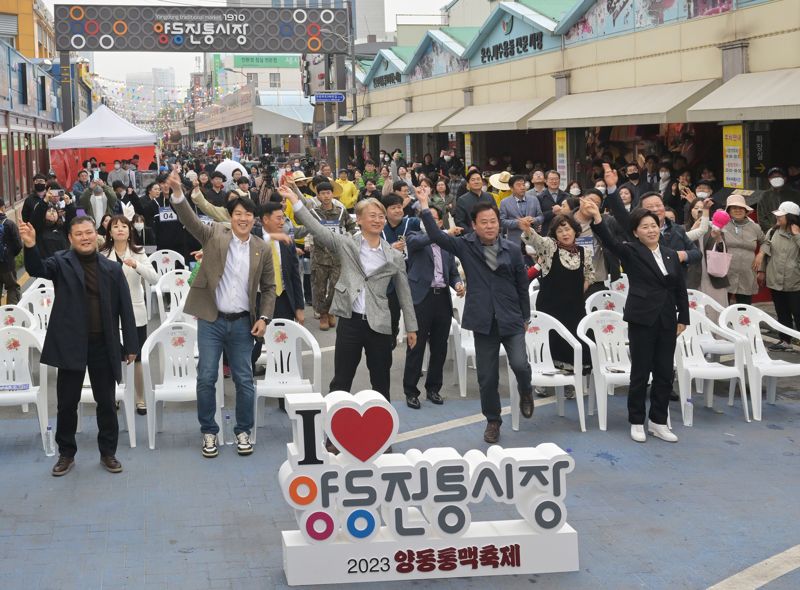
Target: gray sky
(115,65)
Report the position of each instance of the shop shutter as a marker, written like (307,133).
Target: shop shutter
(8,25)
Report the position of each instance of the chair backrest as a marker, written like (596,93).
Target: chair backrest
(605,301)
(533,296)
(699,301)
(177,342)
(620,285)
(745,321)
(610,338)
(15,316)
(458,305)
(15,365)
(534,286)
(38,283)
(688,345)
(176,283)
(166,260)
(537,338)
(283,344)
(39,302)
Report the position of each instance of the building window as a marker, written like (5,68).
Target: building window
(275,80)
(252,80)
(22,69)
(42,93)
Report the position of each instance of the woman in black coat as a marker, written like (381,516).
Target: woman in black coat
(657,311)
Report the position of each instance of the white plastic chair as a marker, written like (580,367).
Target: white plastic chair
(620,285)
(16,384)
(746,321)
(39,302)
(702,303)
(543,371)
(164,261)
(532,297)
(14,316)
(282,354)
(691,363)
(125,392)
(534,286)
(463,345)
(39,283)
(606,301)
(175,283)
(178,374)
(610,352)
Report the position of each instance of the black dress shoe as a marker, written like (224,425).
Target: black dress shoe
(330,447)
(492,433)
(526,404)
(435,398)
(111,463)
(412,401)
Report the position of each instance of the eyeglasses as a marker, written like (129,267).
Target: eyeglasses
(375,216)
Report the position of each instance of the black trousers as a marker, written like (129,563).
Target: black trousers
(68,391)
(433,321)
(787,308)
(352,336)
(394,315)
(652,349)
(8,279)
(745,299)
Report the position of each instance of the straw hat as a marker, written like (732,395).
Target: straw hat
(500,180)
(299,176)
(737,201)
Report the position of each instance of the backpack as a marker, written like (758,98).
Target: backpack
(3,246)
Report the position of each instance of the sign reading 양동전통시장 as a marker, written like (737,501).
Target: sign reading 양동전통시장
(366,516)
(200,29)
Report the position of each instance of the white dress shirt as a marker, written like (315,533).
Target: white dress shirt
(660,261)
(371,260)
(231,293)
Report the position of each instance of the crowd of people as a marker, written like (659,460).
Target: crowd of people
(388,234)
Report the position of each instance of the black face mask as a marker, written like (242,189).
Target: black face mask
(40,188)
(634,176)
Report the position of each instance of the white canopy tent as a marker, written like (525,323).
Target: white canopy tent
(103,128)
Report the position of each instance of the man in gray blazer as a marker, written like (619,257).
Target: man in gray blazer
(368,265)
(223,298)
(519,211)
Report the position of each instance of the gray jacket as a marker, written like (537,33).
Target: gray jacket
(781,256)
(352,278)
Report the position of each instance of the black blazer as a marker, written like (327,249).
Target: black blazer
(67,340)
(290,272)
(420,266)
(651,295)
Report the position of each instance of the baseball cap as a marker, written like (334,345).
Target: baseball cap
(787,207)
(776,170)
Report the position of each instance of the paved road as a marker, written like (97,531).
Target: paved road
(649,516)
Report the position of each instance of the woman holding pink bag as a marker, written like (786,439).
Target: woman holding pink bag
(710,276)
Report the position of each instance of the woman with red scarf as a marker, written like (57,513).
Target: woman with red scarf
(566,272)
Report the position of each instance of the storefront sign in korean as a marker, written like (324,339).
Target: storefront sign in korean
(366,516)
(387,80)
(760,152)
(521,45)
(733,156)
(561,156)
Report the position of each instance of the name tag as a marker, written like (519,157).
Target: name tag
(334,226)
(587,242)
(206,219)
(167,214)
(15,387)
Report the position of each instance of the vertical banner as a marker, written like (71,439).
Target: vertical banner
(467,150)
(733,156)
(409,157)
(561,156)
(215,70)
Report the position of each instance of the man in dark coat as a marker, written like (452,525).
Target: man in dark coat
(92,301)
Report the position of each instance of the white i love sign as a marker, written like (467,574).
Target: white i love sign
(366,516)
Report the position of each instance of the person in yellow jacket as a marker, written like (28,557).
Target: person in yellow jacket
(349,194)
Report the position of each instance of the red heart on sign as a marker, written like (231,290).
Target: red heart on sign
(362,435)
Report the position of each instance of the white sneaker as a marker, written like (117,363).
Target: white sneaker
(637,433)
(662,431)
(243,444)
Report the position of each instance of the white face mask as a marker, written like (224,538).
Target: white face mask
(138,226)
(116,166)
(575,191)
(528,166)
(602,189)
(527,185)
(702,195)
(663,175)
(447,158)
(777,182)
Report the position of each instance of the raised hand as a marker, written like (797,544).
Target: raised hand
(423,194)
(610,175)
(174,182)
(287,193)
(27,234)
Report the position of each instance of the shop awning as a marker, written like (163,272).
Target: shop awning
(281,120)
(752,97)
(494,117)
(371,125)
(643,105)
(420,122)
(334,130)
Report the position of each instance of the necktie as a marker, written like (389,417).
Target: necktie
(276,268)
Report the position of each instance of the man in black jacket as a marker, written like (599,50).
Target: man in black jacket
(636,184)
(11,246)
(35,205)
(474,195)
(92,301)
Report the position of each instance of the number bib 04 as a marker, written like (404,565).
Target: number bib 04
(166,214)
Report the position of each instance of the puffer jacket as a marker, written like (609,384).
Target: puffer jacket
(782,260)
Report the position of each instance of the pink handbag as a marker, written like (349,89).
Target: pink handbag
(718,262)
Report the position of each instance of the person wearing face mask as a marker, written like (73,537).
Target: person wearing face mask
(34,207)
(664,184)
(773,197)
(635,183)
(493,165)
(118,174)
(574,189)
(53,237)
(143,235)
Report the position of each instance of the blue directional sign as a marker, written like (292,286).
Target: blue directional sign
(329,97)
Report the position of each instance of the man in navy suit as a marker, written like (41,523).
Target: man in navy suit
(497,308)
(431,273)
(92,301)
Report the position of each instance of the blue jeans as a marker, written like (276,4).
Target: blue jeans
(236,339)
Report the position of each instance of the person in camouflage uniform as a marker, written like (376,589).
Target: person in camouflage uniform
(325,265)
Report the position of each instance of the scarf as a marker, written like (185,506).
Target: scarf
(573,249)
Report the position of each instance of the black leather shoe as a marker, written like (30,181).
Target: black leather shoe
(526,404)
(330,447)
(111,464)
(62,466)
(492,433)
(412,401)
(435,398)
